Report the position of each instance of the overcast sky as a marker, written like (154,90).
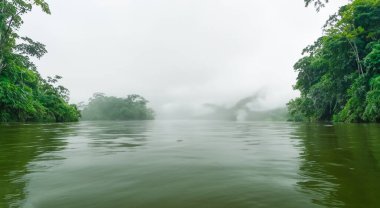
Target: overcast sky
(179,54)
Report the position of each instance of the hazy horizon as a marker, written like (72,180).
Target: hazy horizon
(180,55)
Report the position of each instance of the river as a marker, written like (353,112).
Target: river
(180,164)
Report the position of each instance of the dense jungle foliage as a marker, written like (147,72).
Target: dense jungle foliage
(24,94)
(339,78)
(101,107)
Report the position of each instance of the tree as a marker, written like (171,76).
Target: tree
(24,94)
(337,77)
(318,4)
(102,107)
(11,21)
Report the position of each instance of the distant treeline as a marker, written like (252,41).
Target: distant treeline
(241,111)
(339,78)
(229,114)
(101,107)
(24,94)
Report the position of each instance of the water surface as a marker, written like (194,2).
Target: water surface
(189,164)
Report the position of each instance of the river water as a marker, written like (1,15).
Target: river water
(180,164)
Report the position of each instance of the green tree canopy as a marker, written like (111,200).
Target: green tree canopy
(339,75)
(101,107)
(24,94)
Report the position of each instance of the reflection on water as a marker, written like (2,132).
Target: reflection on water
(19,146)
(109,137)
(340,164)
(189,164)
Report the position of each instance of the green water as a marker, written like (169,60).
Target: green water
(165,164)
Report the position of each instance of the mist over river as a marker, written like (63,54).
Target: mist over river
(179,164)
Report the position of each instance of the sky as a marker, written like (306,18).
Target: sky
(178,54)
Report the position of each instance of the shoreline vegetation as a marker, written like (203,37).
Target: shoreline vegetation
(102,107)
(24,95)
(339,76)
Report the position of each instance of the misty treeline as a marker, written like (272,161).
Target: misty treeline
(244,110)
(339,76)
(24,94)
(102,107)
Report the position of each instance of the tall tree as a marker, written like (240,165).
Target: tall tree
(339,76)
(10,21)
(24,94)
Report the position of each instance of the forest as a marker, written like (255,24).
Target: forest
(102,107)
(27,97)
(339,76)
(24,94)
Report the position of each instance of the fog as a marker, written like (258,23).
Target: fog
(183,56)
(246,109)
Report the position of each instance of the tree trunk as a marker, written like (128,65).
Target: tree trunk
(357,57)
